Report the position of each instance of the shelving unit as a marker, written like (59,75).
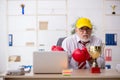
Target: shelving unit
(111,22)
(38,28)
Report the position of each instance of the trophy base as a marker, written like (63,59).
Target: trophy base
(113,13)
(95,70)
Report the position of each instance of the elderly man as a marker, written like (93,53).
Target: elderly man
(82,38)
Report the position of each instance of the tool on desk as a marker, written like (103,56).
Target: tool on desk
(16,72)
(27,68)
(22,69)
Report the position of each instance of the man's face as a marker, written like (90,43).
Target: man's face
(84,33)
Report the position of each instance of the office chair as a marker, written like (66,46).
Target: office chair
(60,40)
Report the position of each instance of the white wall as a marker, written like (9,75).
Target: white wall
(87,8)
(3,36)
(1,79)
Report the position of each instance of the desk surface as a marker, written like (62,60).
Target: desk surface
(76,74)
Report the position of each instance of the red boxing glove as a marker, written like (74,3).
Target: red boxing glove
(79,55)
(86,53)
(57,48)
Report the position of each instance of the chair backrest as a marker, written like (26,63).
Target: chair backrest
(60,40)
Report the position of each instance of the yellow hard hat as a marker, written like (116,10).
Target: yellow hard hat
(81,22)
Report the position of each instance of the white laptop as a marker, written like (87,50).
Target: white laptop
(49,61)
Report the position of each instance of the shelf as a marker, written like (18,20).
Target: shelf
(26,45)
(22,15)
(112,0)
(51,14)
(112,14)
(39,15)
(30,29)
(54,30)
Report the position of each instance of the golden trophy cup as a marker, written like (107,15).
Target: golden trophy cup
(95,52)
(113,9)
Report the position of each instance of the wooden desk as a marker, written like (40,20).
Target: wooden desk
(76,75)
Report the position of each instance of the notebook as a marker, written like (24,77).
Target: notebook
(49,61)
